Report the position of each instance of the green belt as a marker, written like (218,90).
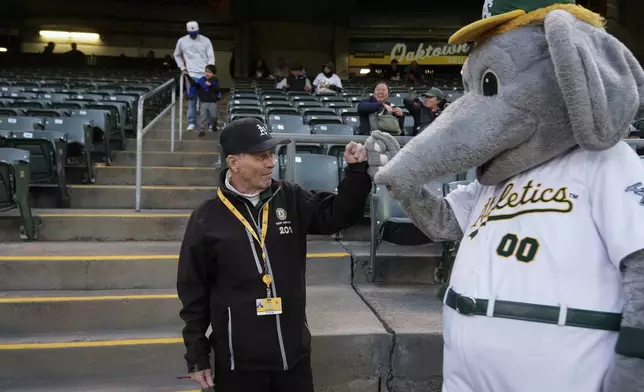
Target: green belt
(530,312)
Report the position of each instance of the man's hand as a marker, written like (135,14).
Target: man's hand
(185,71)
(208,83)
(287,85)
(204,378)
(388,108)
(307,88)
(398,112)
(355,153)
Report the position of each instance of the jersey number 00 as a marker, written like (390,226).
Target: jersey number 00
(524,249)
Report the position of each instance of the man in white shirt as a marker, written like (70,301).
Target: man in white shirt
(192,53)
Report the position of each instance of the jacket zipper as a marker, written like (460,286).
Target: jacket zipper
(270,270)
(230,340)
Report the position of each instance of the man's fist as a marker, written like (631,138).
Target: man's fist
(355,153)
(204,378)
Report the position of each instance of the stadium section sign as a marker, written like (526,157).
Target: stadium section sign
(365,53)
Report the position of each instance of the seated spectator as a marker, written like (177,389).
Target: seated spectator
(327,82)
(394,72)
(376,108)
(425,108)
(414,73)
(296,81)
(260,70)
(281,71)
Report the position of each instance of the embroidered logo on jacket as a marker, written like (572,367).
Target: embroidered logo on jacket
(529,199)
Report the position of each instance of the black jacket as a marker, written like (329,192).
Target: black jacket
(423,116)
(367,107)
(207,93)
(219,275)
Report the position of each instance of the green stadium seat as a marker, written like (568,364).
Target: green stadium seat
(316,172)
(80,144)
(314,119)
(14,188)
(48,152)
(21,123)
(104,129)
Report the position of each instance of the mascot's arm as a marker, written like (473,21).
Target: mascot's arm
(617,203)
(432,214)
(627,374)
(439,218)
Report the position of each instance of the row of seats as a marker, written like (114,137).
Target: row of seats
(47,132)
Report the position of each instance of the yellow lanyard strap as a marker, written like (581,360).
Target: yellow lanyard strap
(247,225)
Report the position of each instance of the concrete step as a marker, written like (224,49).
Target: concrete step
(185,135)
(350,346)
(180,145)
(157,175)
(118,225)
(396,264)
(130,265)
(164,158)
(157,383)
(124,196)
(414,314)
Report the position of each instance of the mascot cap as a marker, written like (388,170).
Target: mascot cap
(500,16)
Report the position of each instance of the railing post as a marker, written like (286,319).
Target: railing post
(181,92)
(139,152)
(290,162)
(181,88)
(172,115)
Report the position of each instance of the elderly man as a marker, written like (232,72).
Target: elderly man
(192,53)
(242,266)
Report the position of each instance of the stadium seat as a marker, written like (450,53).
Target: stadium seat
(240,96)
(351,118)
(237,116)
(48,152)
(281,110)
(245,109)
(21,123)
(105,129)
(54,97)
(314,119)
(247,102)
(339,105)
(14,188)
(274,97)
(34,103)
(317,111)
(303,105)
(331,98)
(332,129)
(11,112)
(316,172)
(47,113)
(79,142)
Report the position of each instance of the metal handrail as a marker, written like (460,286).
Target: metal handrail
(141,131)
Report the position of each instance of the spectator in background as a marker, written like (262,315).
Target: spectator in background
(296,81)
(192,53)
(260,70)
(394,72)
(425,108)
(281,71)
(75,58)
(378,104)
(327,82)
(209,93)
(414,73)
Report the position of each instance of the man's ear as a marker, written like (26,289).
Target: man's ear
(601,81)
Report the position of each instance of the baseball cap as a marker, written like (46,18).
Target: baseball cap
(433,92)
(247,135)
(192,27)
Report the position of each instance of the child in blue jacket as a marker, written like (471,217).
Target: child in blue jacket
(209,93)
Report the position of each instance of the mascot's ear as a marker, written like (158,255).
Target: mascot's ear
(601,81)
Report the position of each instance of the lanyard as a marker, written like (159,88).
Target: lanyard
(267,279)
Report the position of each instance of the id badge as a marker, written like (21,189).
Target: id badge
(268,306)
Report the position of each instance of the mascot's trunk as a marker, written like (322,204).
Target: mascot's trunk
(455,143)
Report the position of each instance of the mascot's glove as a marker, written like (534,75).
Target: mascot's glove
(381,147)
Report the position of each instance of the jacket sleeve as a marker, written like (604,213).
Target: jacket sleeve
(367,107)
(178,56)
(194,294)
(411,105)
(210,51)
(326,213)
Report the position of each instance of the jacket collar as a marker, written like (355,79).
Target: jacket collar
(265,195)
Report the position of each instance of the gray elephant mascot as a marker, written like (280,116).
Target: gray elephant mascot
(546,293)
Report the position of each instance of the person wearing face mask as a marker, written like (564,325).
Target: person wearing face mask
(192,54)
(378,103)
(327,82)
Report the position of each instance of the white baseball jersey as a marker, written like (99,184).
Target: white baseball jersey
(552,235)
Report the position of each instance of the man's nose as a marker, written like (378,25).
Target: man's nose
(271,162)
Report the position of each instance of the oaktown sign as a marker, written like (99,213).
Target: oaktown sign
(400,52)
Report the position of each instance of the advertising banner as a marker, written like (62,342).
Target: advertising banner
(364,53)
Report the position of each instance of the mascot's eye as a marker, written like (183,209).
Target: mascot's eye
(489,84)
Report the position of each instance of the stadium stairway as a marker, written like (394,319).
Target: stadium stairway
(91,305)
